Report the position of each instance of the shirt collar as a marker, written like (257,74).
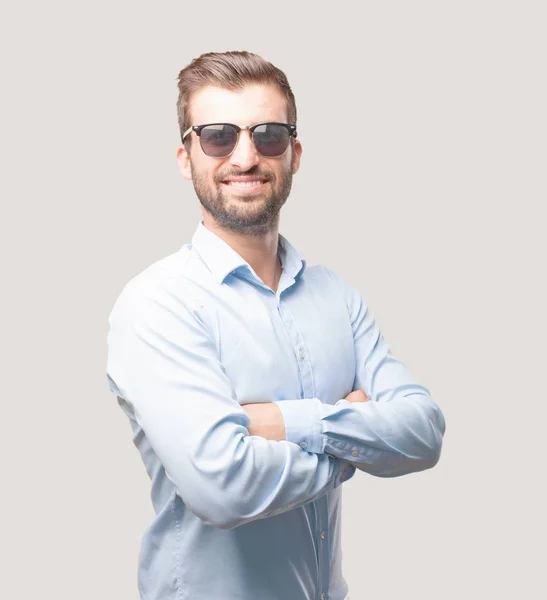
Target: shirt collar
(222,259)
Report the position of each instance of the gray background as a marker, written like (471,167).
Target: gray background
(422,181)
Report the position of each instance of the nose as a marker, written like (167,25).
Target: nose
(244,155)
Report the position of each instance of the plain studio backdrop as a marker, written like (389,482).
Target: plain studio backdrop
(422,182)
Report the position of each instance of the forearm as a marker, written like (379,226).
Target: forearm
(265,420)
(385,439)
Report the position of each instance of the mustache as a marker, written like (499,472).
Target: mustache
(252,172)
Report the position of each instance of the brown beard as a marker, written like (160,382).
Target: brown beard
(254,217)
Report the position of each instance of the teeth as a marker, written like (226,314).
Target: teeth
(245,183)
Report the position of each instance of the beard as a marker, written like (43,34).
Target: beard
(255,215)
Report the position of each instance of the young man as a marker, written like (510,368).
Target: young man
(255,386)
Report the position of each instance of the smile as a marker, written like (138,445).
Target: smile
(246,187)
(245,183)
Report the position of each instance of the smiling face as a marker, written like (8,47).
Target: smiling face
(224,185)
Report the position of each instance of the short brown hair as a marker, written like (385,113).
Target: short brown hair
(230,70)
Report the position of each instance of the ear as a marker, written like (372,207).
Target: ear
(183,159)
(297,153)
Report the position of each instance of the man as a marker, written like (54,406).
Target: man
(255,386)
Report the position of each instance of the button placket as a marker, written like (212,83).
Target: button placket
(323,549)
(301,353)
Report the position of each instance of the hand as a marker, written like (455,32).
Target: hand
(266,420)
(357,396)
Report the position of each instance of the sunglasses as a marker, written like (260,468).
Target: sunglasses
(220,139)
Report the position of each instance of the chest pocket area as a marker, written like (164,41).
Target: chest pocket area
(259,365)
(327,331)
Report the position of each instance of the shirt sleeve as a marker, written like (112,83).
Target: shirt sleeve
(163,360)
(399,431)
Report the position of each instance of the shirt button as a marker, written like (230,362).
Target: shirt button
(303,444)
(323,534)
(302,354)
(355,453)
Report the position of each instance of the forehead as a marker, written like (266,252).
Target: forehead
(255,103)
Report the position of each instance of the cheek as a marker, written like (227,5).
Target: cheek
(282,167)
(203,173)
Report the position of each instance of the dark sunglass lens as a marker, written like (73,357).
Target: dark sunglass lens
(218,140)
(271,139)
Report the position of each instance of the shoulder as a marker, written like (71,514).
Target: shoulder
(164,286)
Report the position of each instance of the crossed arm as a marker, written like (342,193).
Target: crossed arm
(266,418)
(386,445)
(220,455)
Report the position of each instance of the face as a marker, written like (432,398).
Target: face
(235,207)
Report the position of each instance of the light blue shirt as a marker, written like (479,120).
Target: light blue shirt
(192,338)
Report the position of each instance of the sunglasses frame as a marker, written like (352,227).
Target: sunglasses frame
(197,129)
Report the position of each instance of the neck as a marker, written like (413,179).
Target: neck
(261,252)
